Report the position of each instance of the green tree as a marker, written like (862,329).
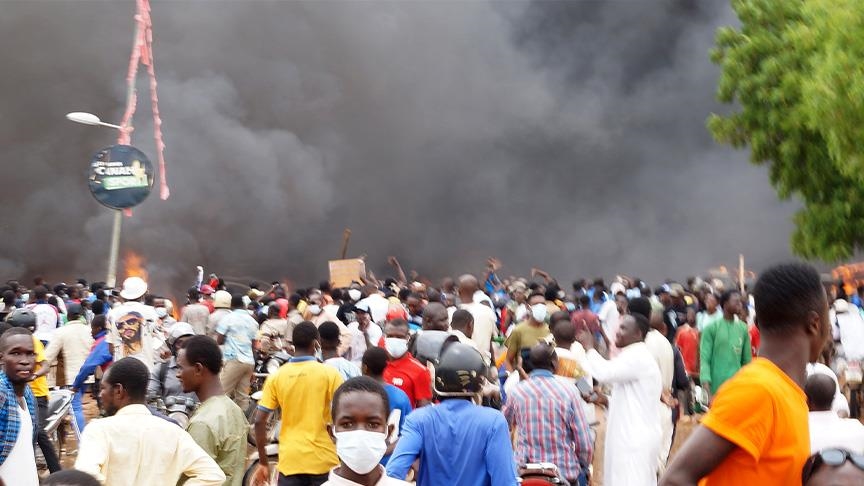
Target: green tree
(784,71)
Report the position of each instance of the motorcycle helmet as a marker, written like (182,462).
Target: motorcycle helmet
(460,371)
(178,330)
(22,318)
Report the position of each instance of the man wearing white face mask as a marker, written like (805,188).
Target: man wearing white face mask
(527,333)
(403,370)
(359,411)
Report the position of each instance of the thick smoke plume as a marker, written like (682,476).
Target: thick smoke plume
(568,136)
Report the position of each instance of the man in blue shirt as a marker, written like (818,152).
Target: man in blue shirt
(237,334)
(459,442)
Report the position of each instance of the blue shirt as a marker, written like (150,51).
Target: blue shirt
(398,401)
(239,329)
(458,443)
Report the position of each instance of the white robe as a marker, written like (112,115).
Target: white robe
(633,429)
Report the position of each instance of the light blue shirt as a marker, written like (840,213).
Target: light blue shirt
(239,329)
(458,443)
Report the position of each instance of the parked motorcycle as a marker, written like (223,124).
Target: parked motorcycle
(540,474)
(58,417)
(274,425)
(272,459)
(177,408)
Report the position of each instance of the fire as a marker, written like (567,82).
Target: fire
(134,265)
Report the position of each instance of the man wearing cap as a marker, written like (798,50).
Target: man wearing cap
(222,307)
(163,378)
(131,325)
(206,292)
(74,341)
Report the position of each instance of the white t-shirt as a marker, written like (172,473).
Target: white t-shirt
(378,307)
(19,468)
(46,320)
(138,323)
(827,430)
(484,325)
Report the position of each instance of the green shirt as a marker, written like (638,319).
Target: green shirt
(724,348)
(220,428)
(524,336)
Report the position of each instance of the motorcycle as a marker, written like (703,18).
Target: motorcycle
(177,408)
(274,424)
(540,474)
(58,416)
(272,459)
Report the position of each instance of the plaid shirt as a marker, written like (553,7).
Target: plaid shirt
(550,424)
(10,421)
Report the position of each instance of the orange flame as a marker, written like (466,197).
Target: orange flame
(134,265)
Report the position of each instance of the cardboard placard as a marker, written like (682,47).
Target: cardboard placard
(343,272)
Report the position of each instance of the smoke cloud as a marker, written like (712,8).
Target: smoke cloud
(564,135)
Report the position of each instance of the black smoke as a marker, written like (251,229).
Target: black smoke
(565,135)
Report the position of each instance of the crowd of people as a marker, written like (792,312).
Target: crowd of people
(472,381)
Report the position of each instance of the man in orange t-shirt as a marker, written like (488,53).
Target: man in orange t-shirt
(756,431)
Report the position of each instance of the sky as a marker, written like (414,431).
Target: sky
(568,136)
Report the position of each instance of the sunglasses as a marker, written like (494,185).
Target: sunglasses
(831,457)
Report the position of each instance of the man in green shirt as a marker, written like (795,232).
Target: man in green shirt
(218,426)
(725,345)
(527,333)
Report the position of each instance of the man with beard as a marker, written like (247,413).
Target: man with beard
(131,324)
(132,446)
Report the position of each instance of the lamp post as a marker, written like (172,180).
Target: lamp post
(111,278)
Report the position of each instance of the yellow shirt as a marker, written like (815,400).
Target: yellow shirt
(39,385)
(763,412)
(303,391)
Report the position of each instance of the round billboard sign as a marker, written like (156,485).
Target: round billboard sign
(121,176)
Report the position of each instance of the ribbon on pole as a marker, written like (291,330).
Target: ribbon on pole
(142,53)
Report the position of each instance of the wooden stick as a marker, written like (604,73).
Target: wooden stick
(346,236)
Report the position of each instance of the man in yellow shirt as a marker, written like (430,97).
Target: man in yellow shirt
(39,384)
(756,431)
(303,389)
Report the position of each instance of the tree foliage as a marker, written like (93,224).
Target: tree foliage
(793,73)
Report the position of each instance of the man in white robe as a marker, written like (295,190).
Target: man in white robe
(633,431)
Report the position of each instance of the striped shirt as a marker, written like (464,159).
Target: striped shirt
(550,424)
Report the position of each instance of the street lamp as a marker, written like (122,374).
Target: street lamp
(111,278)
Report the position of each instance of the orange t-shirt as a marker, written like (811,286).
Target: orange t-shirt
(764,413)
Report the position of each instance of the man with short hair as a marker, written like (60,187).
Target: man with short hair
(218,425)
(827,429)
(330,338)
(404,370)
(132,446)
(428,342)
(131,325)
(237,333)
(724,346)
(584,319)
(163,378)
(195,313)
(303,390)
(374,363)
(633,427)
(756,431)
(527,334)
(18,416)
(73,341)
(485,321)
(547,414)
(462,326)
(360,428)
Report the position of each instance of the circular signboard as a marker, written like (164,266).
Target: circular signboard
(121,176)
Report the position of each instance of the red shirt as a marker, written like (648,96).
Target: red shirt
(754,339)
(687,340)
(410,376)
(585,320)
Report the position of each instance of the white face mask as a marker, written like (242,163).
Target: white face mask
(314,309)
(396,347)
(354,294)
(538,312)
(361,450)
